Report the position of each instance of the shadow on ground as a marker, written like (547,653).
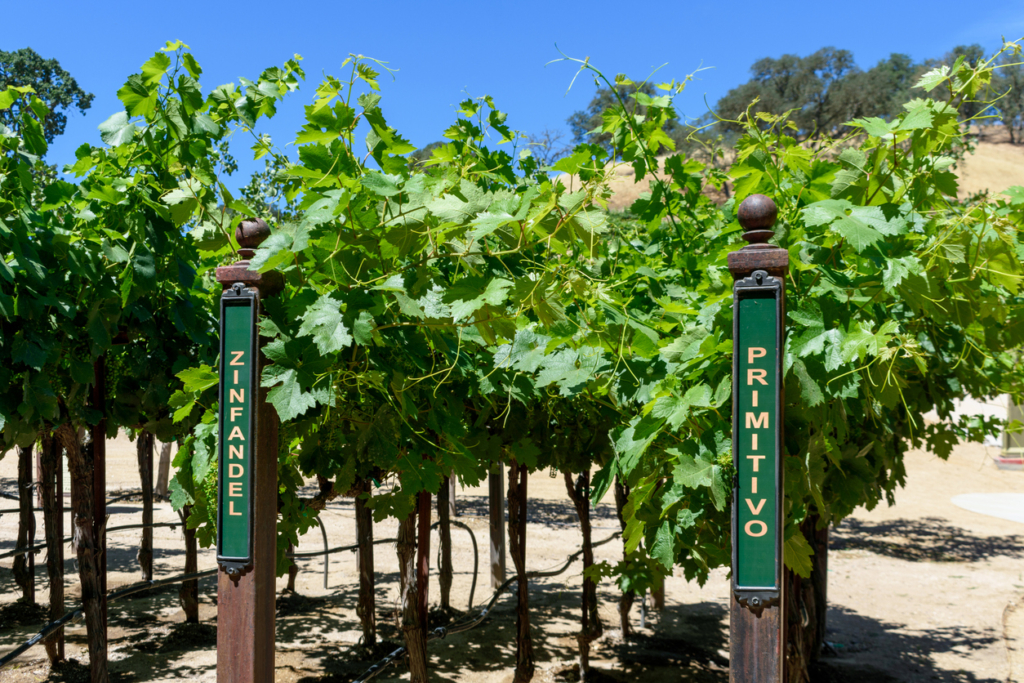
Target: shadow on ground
(866,649)
(929,539)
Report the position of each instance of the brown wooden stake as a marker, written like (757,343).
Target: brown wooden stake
(452,481)
(807,605)
(423,559)
(757,635)
(444,514)
(496,501)
(293,571)
(590,623)
(627,597)
(163,471)
(658,597)
(517,501)
(52,489)
(39,477)
(366,608)
(246,602)
(188,592)
(88,549)
(412,625)
(99,477)
(144,453)
(23,567)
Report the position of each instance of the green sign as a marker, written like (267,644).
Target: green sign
(237,430)
(756,443)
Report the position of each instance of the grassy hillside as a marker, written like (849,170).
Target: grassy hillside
(994,166)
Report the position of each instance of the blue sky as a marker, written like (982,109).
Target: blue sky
(445,51)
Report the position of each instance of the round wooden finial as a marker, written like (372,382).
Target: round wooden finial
(757,215)
(251,232)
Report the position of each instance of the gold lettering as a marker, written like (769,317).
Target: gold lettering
(236,470)
(236,412)
(238,395)
(231,509)
(753,441)
(235,489)
(756,459)
(753,484)
(758,422)
(759,375)
(755,352)
(237,360)
(236,376)
(748,525)
(755,510)
(236,433)
(236,452)
(754,404)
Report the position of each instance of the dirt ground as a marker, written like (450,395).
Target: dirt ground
(922,591)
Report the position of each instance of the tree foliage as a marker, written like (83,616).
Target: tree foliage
(56,88)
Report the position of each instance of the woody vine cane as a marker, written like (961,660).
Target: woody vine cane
(247,474)
(756,622)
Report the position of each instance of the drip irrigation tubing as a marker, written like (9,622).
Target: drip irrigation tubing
(111,596)
(476,557)
(443,632)
(147,585)
(9,511)
(40,546)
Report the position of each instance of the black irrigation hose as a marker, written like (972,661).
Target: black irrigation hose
(477,619)
(112,500)
(40,546)
(339,549)
(476,557)
(113,595)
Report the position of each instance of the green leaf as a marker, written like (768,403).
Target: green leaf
(859,228)
(272,253)
(117,130)
(933,78)
(382,184)
(155,68)
(797,554)
(663,548)
(693,472)
(138,99)
(198,379)
(470,294)
(288,399)
(191,65)
(323,321)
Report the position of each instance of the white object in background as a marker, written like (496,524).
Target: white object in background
(1002,505)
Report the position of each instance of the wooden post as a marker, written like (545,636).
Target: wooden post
(144,453)
(57,592)
(447,572)
(247,512)
(423,559)
(366,608)
(757,623)
(39,477)
(496,498)
(24,567)
(451,496)
(99,481)
(163,471)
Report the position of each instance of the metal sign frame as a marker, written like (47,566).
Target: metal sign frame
(237,296)
(758,285)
